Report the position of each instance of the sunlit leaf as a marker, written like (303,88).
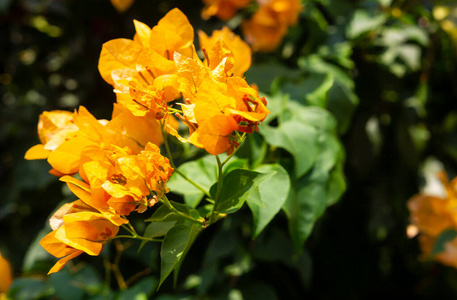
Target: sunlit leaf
(174,246)
(236,188)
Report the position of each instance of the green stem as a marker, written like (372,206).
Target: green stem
(193,183)
(134,235)
(132,232)
(167,148)
(186,216)
(218,190)
(137,237)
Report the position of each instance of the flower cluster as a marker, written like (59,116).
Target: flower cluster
(161,64)
(119,175)
(118,161)
(431,216)
(267,26)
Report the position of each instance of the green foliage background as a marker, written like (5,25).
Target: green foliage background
(362,93)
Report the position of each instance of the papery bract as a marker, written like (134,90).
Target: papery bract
(223,9)
(265,30)
(82,231)
(241,51)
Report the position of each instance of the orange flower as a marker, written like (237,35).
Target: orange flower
(432,216)
(172,33)
(265,30)
(119,182)
(64,144)
(122,5)
(223,9)
(80,231)
(241,51)
(54,127)
(218,104)
(5,275)
(142,71)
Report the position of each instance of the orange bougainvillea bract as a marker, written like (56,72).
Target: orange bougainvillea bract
(433,215)
(115,167)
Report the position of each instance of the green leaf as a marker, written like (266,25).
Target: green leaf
(265,74)
(203,171)
(156,229)
(305,203)
(272,193)
(312,90)
(322,186)
(29,288)
(173,246)
(166,214)
(299,139)
(141,290)
(74,285)
(195,229)
(362,23)
(255,198)
(36,254)
(236,188)
(337,185)
(446,236)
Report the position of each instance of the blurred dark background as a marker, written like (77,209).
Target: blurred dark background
(394,67)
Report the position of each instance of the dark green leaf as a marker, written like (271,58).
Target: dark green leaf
(195,229)
(271,193)
(311,90)
(29,288)
(306,202)
(156,229)
(173,247)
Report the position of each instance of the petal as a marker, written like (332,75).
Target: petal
(143,33)
(54,246)
(172,33)
(63,261)
(37,152)
(214,134)
(127,54)
(65,159)
(140,129)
